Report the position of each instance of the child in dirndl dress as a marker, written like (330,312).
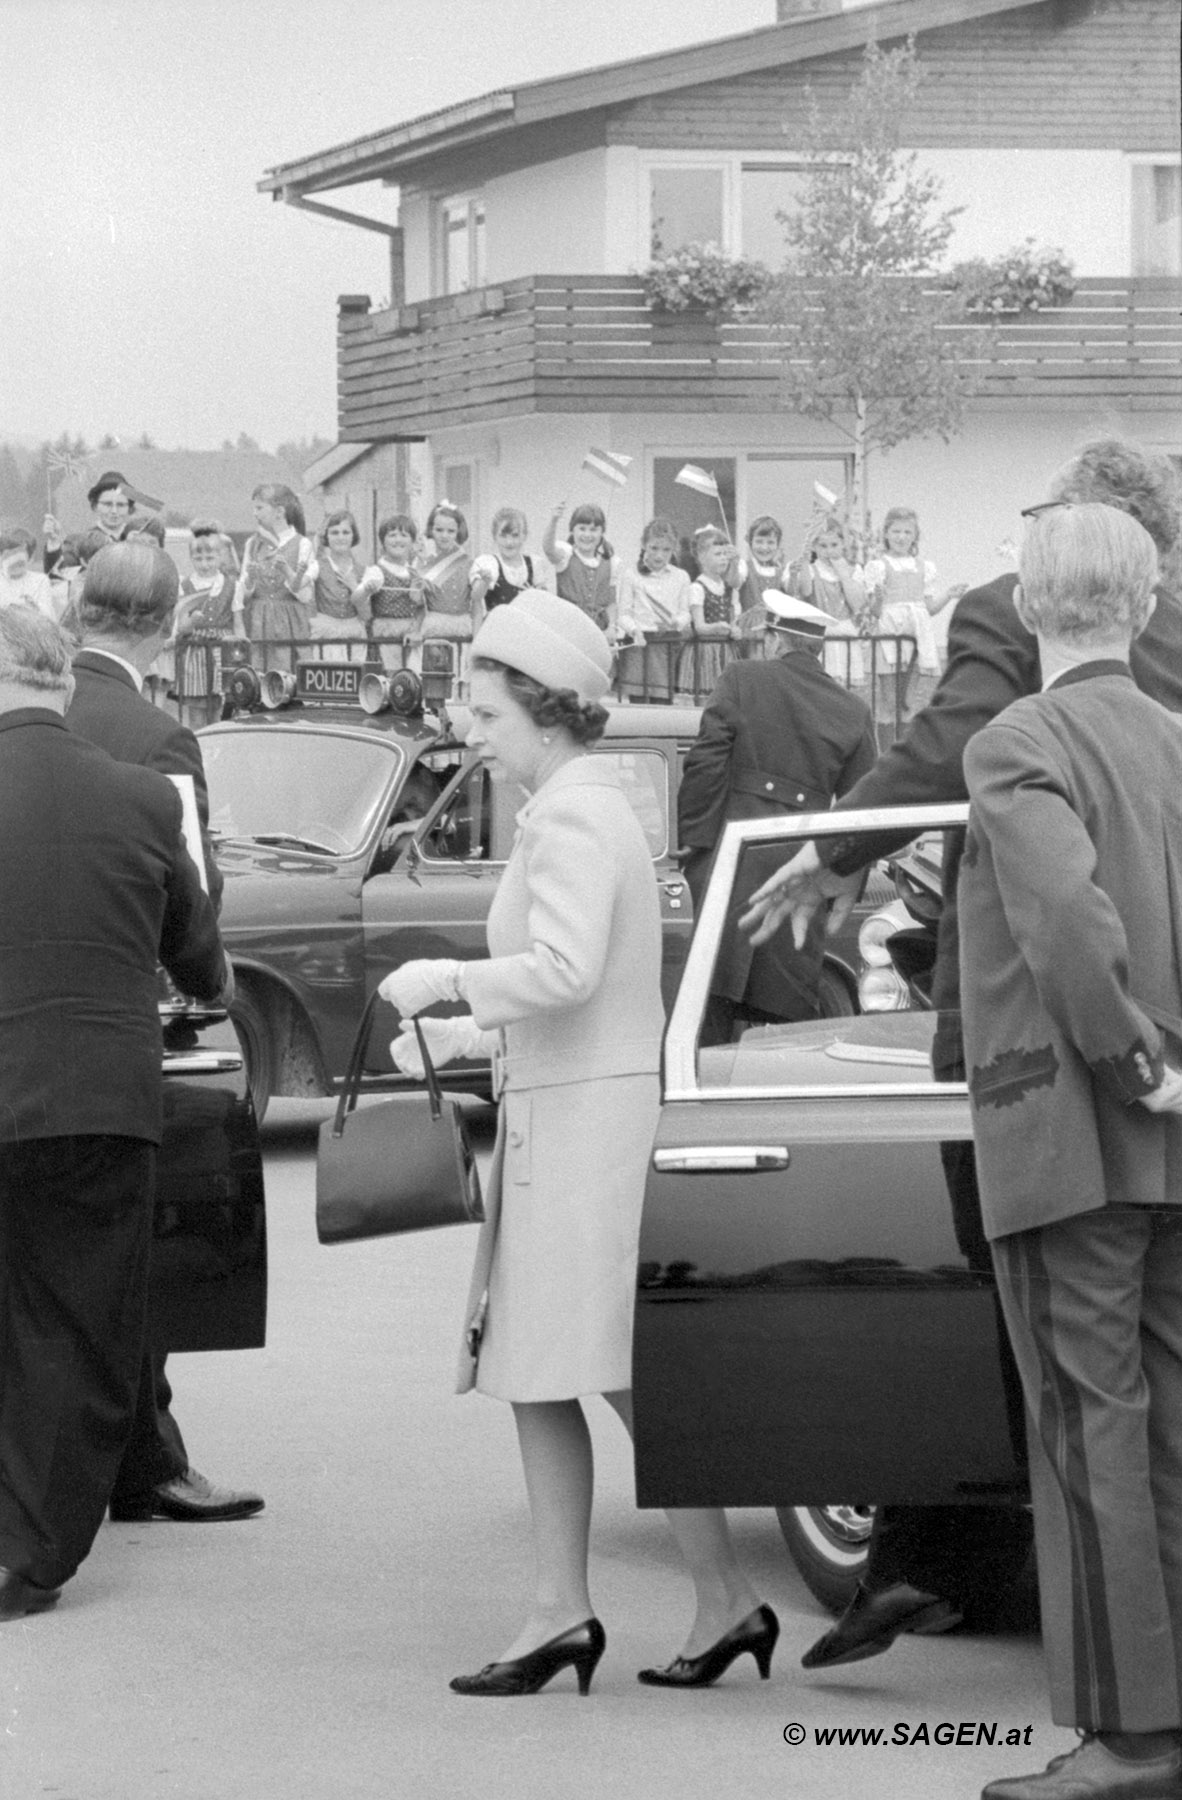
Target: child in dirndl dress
(764,568)
(341,592)
(901,591)
(399,605)
(204,617)
(274,596)
(654,599)
(588,573)
(714,609)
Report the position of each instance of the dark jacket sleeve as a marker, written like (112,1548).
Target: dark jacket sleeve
(180,754)
(992,660)
(190,945)
(705,779)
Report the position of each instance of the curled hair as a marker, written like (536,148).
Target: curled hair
(129,589)
(34,651)
(344,517)
(206,528)
(444,509)
(275,493)
(17,538)
(1117,472)
(902,515)
(1087,574)
(550,708)
(765,524)
(398,522)
(509,515)
(106,484)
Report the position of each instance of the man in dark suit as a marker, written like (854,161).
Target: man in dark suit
(776,737)
(125,610)
(1071,976)
(96,886)
(929,1561)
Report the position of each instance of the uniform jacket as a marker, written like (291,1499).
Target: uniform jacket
(95,887)
(1071,954)
(108,709)
(776,737)
(992,661)
(573,981)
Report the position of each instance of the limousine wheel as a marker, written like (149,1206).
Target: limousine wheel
(830,1546)
(254,1036)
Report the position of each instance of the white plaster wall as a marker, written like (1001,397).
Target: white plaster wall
(1077,201)
(968,493)
(548,220)
(415,219)
(626,228)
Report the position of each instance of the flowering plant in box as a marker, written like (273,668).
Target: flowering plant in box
(701,278)
(1025,279)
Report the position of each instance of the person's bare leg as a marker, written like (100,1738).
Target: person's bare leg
(722,1591)
(559,1476)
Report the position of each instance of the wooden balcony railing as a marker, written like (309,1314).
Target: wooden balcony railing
(589,344)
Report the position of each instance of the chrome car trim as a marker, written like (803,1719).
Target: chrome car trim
(713,1159)
(681,1039)
(203,1062)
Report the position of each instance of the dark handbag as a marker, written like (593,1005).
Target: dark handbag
(404,1165)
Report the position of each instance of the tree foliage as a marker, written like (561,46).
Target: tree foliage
(862,332)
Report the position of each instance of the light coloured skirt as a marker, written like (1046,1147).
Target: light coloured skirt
(562,1286)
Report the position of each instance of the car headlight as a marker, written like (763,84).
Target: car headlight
(881,925)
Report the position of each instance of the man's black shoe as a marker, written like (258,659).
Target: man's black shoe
(873,1620)
(188,1497)
(19,1596)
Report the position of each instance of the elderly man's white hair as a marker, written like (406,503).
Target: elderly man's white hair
(1087,574)
(35,652)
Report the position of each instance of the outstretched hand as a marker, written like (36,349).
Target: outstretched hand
(795,892)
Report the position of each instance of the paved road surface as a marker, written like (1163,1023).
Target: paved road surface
(304,1655)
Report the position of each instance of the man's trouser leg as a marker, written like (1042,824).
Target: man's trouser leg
(1094,1307)
(75,1236)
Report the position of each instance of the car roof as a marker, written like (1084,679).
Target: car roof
(676,723)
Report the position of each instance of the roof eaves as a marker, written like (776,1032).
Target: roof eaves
(614,84)
(452,122)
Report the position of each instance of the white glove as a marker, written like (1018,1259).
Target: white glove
(415,985)
(1167,1097)
(448,1040)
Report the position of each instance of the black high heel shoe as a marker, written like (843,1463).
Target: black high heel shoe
(579,1648)
(757,1633)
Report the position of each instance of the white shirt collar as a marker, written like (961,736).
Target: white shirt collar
(94,650)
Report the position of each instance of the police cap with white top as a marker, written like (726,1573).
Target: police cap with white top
(797,616)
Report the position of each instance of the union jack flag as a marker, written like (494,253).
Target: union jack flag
(65,464)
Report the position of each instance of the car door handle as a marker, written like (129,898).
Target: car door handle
(202,1062)
(721,1159)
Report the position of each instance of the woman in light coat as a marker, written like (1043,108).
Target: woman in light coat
(569,1005)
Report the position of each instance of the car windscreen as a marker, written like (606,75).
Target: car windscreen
(297,789)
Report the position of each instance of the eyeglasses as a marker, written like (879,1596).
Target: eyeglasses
(1044,506)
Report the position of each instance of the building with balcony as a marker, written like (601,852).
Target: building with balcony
(518,335)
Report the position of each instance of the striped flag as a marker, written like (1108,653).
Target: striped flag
(825,495)
(690,476)
(609,465)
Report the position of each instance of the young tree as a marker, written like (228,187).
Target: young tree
(860,329)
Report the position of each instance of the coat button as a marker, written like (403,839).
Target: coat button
(769,785)
(516,1139)
(800,798)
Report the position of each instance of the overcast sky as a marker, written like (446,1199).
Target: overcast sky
(144,284)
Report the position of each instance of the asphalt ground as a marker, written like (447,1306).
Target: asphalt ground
(305,1654)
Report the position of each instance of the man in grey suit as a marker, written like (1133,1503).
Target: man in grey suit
(1071,984)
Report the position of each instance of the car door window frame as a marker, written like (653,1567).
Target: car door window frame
(680,1064)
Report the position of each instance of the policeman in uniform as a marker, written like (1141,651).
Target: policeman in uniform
(777,737)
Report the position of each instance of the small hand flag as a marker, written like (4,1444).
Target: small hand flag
(825,495)
(73,467)
(609,465)
(699,480)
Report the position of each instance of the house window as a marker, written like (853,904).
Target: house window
(689,509)
(1157,219)
(765,191)
(461,243)
(687,206)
